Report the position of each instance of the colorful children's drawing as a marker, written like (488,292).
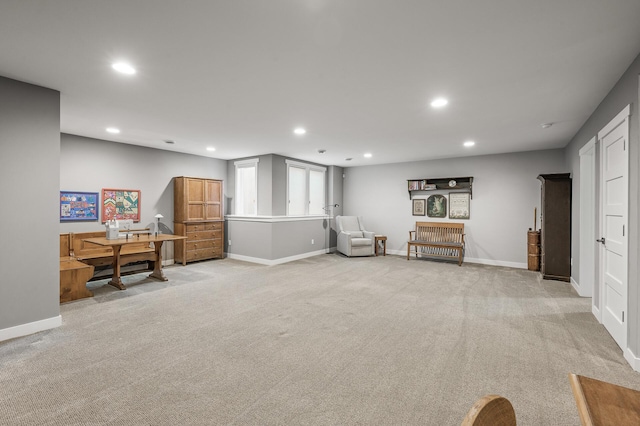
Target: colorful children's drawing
(76,206)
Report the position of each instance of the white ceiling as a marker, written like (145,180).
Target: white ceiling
(239,75)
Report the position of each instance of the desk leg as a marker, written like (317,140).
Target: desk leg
(115,280)
(157,268)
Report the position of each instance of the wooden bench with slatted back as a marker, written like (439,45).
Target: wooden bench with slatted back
(441,239)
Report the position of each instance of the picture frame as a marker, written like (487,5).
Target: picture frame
(437,206)
(121,204)
(418,207)
(459,205)
(76,206)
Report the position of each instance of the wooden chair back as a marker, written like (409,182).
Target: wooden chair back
(65,245)
(491,410)
(439,232)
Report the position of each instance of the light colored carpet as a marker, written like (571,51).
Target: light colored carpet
(323,341)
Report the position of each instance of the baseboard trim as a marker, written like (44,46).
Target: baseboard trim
(632,359)
(273,262)
(575,286)
(596,313)
(30,328)
(489,262)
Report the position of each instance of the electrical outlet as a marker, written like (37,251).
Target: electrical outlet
(312,241)
(229,242)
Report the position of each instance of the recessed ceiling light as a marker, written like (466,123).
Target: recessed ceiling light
(546,125)
(469,144)
(113,130)
(368,155)
(124,68)
(299,131)
(210,148)
(439,102)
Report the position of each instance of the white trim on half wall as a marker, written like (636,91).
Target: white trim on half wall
(30,328)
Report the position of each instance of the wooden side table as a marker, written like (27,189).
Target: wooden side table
(383,240)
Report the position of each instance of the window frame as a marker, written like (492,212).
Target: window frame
(244,164)
(307,185)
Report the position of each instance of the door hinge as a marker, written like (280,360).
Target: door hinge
(622,316)
(623,230)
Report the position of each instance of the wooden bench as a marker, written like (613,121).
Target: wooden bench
(441,239)
(73,273)
(79,259)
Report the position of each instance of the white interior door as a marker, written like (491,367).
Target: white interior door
(614,166)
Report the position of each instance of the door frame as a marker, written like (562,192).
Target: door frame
(585,287)
(622,119)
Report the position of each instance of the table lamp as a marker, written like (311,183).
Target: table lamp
(158,217)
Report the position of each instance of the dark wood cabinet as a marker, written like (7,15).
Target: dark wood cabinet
(555,231)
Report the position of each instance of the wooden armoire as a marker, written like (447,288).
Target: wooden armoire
(198,215)
(555,227)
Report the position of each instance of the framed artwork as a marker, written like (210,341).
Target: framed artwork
(76,206)
(459,205)
(418,207)
(437,206)
(120,204)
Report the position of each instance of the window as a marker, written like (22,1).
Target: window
(247,187)
(305,189)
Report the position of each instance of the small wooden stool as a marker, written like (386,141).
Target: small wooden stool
(383,239)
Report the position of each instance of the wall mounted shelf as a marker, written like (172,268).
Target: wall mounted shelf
(459,184)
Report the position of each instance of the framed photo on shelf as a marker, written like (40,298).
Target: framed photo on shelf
(437,206)
(418,207)
(78,206)
(459,205)
(121,204)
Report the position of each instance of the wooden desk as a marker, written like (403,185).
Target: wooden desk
(116,245)
(602,403)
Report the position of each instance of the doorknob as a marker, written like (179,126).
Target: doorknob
(601,240)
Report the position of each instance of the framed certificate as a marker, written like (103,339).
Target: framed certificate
(459,205)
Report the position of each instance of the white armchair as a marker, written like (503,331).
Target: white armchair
(353,240)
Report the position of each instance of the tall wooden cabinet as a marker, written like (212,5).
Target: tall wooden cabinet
(555,230)
(198,215)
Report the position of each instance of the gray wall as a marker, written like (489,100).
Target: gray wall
(91,164)
(266,240)
(505,193)
(335,197)
(273,237)
(29,168)
(625,92)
